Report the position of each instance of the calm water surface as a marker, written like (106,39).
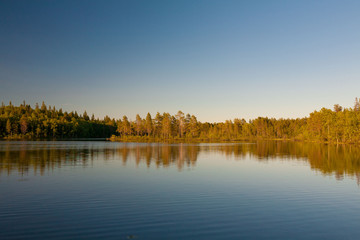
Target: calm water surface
(105,190)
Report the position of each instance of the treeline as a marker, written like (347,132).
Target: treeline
(188,128)
(17,122)
(340,125)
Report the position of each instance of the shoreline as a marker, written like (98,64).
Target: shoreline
(199,140)
(142,139)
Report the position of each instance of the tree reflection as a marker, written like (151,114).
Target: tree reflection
(39,158)
(161,155)
(337,160)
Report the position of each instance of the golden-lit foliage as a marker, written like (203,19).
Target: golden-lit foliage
(336,126)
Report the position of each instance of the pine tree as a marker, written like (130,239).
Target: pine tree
(126,128)
(158,120)
(85,116)
(193,126)
(148,124)
(356,105)
(138,124)
(166,125)
(8,127)
(43,107)
(181,122)
(23,125)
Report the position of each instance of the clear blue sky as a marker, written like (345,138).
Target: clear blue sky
(216,59)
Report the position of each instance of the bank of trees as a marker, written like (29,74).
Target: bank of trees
(327,125)
(337,125)
(187,127)
(44,122)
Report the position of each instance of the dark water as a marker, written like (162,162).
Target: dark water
(105,190)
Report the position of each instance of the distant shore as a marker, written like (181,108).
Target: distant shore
(337,126)
(205,140)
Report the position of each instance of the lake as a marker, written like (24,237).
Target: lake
(112,190)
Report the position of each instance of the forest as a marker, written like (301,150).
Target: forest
(46,122)
(337,125)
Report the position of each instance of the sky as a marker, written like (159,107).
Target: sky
(217,60)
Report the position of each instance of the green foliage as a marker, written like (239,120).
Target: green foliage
(341,125)
(46,122)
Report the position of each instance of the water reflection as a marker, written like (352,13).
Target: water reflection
(40,157)
(162,155)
